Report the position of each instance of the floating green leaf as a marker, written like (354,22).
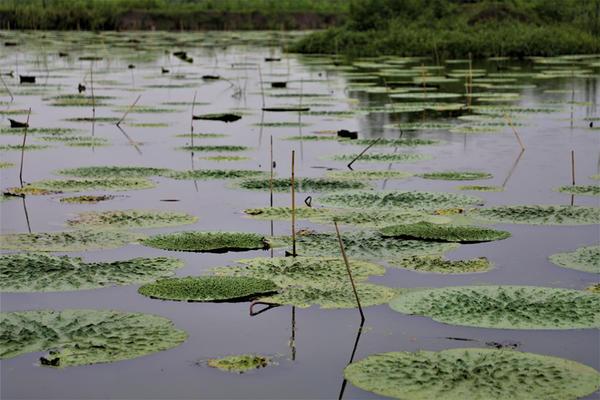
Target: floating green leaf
(226,158)
(471,373)
(504,307)
(214,148)
(216,242)
(583,259)
(208,288)
(302,271)
(585,190)
(399,199)
(361,245)
(302,184)
(6,165)
(444,233)
(131,219)
(383,157)
(214,174)
(368,175)
(79,240)
(440,265)
(240,364)
(80,185)
(479,188)
(86,199)
(538,215)
(81,337)
(28,147)
(31,272)
(456,175)
(113,172)
(595,288)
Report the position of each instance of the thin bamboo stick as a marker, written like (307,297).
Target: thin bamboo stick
(363,152)
(128,110)
(23,147)
(343,251)
(510,123)
(293,206)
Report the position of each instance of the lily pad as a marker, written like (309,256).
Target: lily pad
(302,184)
(368,175)
(240,364)
(361,245)
(113,172)
(302,271)
(28,147)
(504,307)
(583,259)
(214,174)
(456,175)
(479,188)
(6,165)
(472,373)
(399,199)
(34,272)
(383,157)
(585,190)
(81,184)
(214,148)
(595,288)
(439,265)
(86,199)
(131,219)
(214,242)
(333,296)
(79,240)
(81,337)
(444,233)
(208,288)
(538,215)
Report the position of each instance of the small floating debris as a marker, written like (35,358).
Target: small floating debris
(225,117)
(279,85)
(286,109)
(211,77)
(239,364)
(26,79)
(343,133)
(17,124)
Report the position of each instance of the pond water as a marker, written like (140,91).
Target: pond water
(550,101)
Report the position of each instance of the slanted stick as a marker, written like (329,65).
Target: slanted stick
(363,152)
(23,147)
(262,89)
(343,251)
(92,85)
(192,118)
(129,109)
(7,89)
(510,123)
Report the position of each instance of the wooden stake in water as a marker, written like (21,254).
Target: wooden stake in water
(510,123)
(573,166)
(192,118)
(362,152)
(92,85)
(23,147)
(262,88)
(343,251)
(293,207)
(129,109)
(271,177)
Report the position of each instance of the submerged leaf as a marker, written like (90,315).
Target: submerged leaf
(583,259)
(208,288)
(239,364)
(471,373)
(504,307)
(81,337)
(31,272)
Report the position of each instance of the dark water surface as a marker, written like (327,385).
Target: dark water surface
(310,366)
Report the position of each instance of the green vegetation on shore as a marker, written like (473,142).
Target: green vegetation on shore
(455,28)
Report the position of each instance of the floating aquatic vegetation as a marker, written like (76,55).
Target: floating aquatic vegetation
(240,364)
(301,271)
(208,288)
(312,137)
(23,111)
(368,175)
(78,141)
(478,128)
(399,199)
(538,215)
(87,199)
(131,219)
(113,172)
(480,188)
(216,242)
(413,126)
(333,296)
(148,124)
(383,157)
(472,373)
(425,95)
(81,337)
(28,147)
(361,245)
(504,307)
(585,190)
(226,158)
(6,165)
(202,135)
(595,288)
(78,240)
(106,120)
(439,265)
(38,131)
(287,124)
(214,174)
(31,272)
(79,100)
(214,148)
(456,175)
(302,184)
(583,259)
(82,184)
(145,110)
(400,142)
(444,233)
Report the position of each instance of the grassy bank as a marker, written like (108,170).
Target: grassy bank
(454,28)
(171,14)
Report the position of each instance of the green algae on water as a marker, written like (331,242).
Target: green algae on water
(504,307)
(583,259)
(38,272)
(480,188)
(584,190)
(399,199)
(216,242)
(131,219)
(444,233)
(28,147)
(456,175)
(538,215)
(78,240)
(302,184)
(82,337)
(240,364)
(439,265)
(458,374)
(107,171)
(208,288)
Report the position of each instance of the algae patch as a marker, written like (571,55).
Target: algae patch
(131,219)
(240,364)
(583,259)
